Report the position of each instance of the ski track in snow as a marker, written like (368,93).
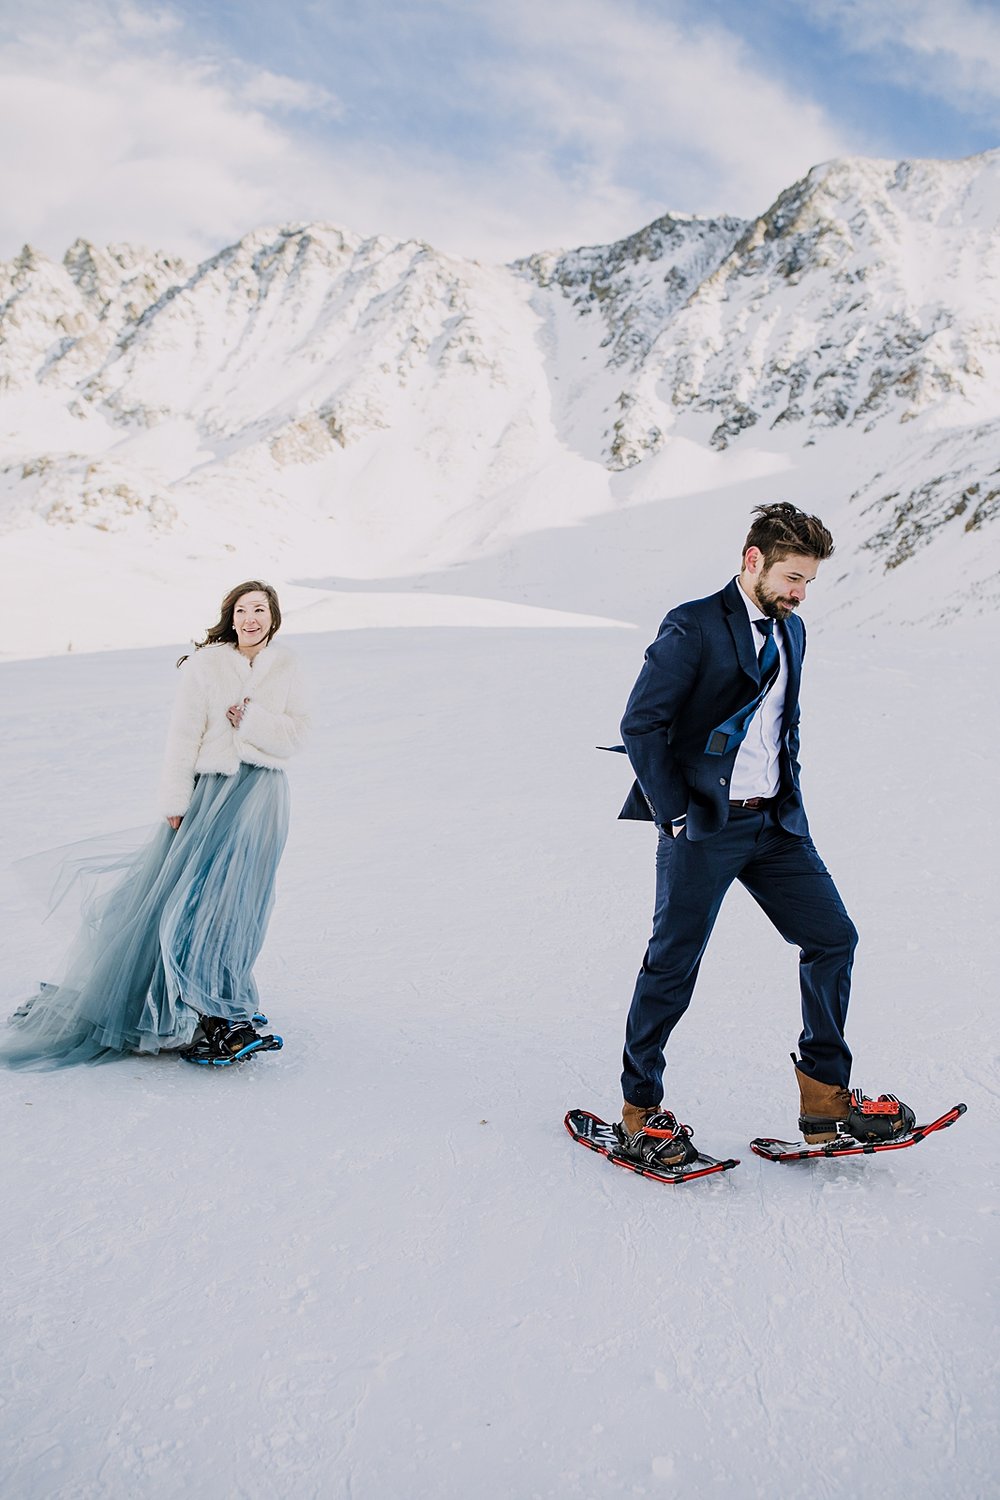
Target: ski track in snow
(374,1264)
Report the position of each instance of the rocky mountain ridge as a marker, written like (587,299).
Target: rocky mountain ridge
(397,408)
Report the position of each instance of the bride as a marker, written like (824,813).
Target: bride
(164,958)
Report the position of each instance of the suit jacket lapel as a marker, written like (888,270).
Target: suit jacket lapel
(741,630)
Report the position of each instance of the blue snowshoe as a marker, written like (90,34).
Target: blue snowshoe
(223,1043)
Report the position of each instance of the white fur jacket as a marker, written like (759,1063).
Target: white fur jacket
(201,738)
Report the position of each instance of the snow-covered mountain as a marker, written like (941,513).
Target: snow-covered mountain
(357,407)
(867,297)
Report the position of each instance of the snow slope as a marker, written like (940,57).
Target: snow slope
(374,1264)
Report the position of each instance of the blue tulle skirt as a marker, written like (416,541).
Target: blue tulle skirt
(169,933)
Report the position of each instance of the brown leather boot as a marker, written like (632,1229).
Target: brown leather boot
(634,1116)
(822,1106)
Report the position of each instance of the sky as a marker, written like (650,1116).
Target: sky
(489,128)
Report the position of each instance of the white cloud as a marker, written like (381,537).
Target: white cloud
(951,50)
(687,104)
(119,140)
(272,91)
(594,117)
(135,21)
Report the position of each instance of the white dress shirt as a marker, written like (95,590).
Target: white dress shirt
(756,772)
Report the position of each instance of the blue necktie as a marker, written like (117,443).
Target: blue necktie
(767,656)
(733,732)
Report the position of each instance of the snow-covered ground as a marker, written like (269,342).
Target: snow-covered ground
(374,1264)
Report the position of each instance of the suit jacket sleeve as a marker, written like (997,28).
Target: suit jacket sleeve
(661,690)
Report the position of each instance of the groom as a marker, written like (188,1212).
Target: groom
(712,732)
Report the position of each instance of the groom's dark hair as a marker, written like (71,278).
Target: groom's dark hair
(781,529)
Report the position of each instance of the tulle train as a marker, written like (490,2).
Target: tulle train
(174,937)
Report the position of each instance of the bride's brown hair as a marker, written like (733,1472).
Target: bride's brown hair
(224,631)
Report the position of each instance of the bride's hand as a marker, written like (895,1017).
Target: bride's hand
(235,712)
(176,822)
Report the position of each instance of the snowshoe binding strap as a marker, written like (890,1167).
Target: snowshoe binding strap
(878,1119)
(661,1142)
(812,1125)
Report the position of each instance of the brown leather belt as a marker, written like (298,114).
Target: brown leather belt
(753,802)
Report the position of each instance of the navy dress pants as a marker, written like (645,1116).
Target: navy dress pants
(787,878)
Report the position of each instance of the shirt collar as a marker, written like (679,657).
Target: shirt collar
(753,610)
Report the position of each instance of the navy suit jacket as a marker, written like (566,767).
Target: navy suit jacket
(702,668)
